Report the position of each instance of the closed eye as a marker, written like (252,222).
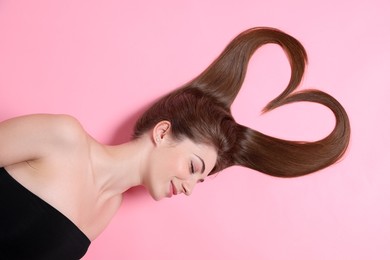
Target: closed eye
(192,169)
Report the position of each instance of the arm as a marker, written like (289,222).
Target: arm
(35,137)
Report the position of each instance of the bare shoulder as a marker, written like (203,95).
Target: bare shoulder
(33,137)
(64,128)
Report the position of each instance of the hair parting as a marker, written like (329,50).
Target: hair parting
(200,110)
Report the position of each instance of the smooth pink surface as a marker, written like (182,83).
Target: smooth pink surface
(104,61)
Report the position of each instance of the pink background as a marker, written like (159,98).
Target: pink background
(104,61)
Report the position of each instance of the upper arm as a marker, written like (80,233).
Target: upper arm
(36,136)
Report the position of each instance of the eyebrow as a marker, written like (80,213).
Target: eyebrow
(203,165)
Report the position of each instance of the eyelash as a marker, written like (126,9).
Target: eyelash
(192,170)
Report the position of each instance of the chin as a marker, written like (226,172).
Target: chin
(154,191)
(155,195)
(157,198)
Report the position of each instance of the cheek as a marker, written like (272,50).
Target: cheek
(164,166)
(158,163)
(160,172)
(155,185)
(170,164)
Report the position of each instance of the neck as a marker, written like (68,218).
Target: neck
(119,168)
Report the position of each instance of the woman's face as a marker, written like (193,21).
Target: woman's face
(176,167)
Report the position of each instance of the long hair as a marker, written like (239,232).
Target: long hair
(200,110)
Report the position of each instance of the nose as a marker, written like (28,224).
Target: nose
(188,187)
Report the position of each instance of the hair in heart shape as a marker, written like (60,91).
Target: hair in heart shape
(200,110)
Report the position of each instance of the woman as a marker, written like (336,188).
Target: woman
(59,187)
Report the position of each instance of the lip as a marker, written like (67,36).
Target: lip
(170,192)
(174,190)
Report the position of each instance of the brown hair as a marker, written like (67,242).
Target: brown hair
(200,110)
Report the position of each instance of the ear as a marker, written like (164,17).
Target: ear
(160,131)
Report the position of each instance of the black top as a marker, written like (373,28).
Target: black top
(30,228)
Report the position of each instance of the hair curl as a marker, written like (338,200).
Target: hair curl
(200,110)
